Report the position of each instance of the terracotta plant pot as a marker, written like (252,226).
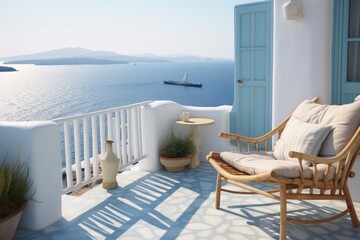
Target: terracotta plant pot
(9,224)
(175,164)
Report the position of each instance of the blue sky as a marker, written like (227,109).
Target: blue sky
(198,27)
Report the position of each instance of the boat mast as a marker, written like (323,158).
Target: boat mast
(185,77)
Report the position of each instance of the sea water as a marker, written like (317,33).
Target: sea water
(49,92)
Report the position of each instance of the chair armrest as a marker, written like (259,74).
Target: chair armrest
(265,137)
(250,139)
(343,165)
(237,137)
(316,159)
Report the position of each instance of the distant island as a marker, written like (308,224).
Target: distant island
(68,61)
(81,56)
(7,69)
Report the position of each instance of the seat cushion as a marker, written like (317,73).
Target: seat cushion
(344,119)
(256,163)
(300,137)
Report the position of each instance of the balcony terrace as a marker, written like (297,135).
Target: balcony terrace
(149,203)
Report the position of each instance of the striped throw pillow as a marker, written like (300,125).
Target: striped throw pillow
(300,137)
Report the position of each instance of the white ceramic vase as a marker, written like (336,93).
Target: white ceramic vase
(109,167)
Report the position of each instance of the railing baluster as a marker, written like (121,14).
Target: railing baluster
(118,138)
(86,149)
(69,172)
(135,133)
(102,134)
(77,152)
(110,128)
(123,138)
(128,135)
(95,160)
(138,108)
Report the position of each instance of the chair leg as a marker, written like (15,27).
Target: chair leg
(350,205)
(283,212)
(218,191)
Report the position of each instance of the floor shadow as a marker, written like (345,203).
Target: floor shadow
(139,201)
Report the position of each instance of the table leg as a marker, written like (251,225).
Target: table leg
(195,162)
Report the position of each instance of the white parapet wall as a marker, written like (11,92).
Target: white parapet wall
(39,144)
(159,119)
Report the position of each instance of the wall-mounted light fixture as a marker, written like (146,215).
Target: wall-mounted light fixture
(292,10)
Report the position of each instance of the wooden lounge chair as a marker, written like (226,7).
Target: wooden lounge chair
(312,159)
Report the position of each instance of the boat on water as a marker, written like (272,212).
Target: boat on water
(184,82)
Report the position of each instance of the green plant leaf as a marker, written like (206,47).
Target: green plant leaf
(177,146)
(15,185)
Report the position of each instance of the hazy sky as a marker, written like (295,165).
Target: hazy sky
(198,27)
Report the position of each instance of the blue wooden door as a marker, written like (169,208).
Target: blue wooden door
(346,51)
(251,112)
(350,81)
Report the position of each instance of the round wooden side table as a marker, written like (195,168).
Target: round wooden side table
(193,124)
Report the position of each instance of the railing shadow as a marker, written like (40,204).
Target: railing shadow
(144,200)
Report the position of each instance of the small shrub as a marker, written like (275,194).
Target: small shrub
(15,185)
(177,146)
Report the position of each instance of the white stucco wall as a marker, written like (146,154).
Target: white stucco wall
(40,142)
(159,119)
(301,56)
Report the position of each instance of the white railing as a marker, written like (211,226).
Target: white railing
(83,140)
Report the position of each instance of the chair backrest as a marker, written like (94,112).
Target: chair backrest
(344,119)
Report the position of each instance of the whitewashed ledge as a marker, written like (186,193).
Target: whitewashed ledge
(39,143)
(159,119)
(162,205)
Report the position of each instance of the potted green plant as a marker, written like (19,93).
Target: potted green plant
(15,187)
(176,152)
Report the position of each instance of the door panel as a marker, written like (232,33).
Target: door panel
(246,119)
(245,31)
(260,29)
(244,65)
(260,110)
(251,113)
(260,65)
